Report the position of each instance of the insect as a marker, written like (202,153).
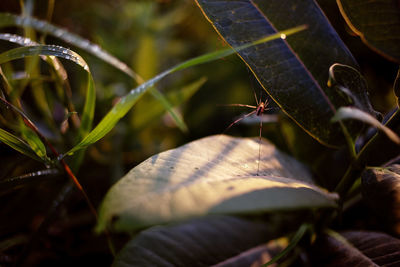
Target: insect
(258,111)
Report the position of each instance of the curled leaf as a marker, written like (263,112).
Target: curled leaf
(352,85)
(345,113)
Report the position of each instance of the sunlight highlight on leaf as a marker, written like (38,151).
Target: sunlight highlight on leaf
(345,113)
(214,175)
(43,26)
(47,50)
(17,144)
(33,49)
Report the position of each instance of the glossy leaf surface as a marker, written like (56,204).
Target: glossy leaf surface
(346,113)
(293,71)
(213,175)
(376,22)
(356,248)
(203,242)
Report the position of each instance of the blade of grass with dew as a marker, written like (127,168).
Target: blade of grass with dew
(126,102)
(18,144)
(345,113)
(12,183)
(58,51)
(7,19)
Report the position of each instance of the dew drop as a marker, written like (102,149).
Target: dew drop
(58,32)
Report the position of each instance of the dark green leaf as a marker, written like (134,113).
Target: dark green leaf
(293,71)
(17,144)
(214,175)
(33,141)
(356,248)
(376,22)
(227,241)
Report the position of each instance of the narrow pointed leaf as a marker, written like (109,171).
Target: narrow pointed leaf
(7,20)
(376,22)
(294,71)
(43,26)
(47,50)
(32,49)
(33,140)
(213,175)
(126,103)
(293,243)
(18,144)
(176,97)
(345,113)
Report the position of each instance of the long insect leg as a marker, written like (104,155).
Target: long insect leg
(239,105)
(255,96)
(259,147)
(241,118)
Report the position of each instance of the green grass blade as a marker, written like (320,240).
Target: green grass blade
(33,141)
(18,144)
(226,52)
(46,50)
(33,49)
(7,19)
(296,238)
(176,97)
(116,113)
(88,110)
(168,106)
(127,102)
